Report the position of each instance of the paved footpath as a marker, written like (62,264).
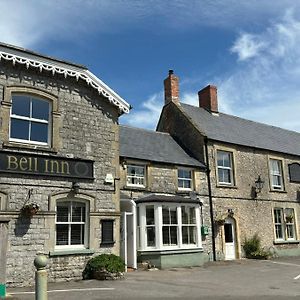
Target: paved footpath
(242,279)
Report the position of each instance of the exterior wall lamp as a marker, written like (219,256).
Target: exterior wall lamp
(259,184)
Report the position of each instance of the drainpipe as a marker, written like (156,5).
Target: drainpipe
(210,200)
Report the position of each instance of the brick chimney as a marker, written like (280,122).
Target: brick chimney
(208,98)
(171,84)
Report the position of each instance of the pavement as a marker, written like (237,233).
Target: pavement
(240,279)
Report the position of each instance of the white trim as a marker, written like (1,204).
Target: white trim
(55,68)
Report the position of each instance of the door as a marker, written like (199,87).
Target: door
(128,239)
(230,239)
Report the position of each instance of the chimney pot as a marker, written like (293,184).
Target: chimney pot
(208,98)
(171,85)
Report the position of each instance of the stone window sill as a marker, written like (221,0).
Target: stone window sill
(286,242)
(15,145)
(71,252)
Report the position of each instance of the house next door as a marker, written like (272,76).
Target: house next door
(230,239)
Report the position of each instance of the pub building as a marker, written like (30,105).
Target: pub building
(59,166)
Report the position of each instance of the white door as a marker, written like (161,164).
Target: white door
(128,239)
(230,239)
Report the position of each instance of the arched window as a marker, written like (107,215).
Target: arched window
(30,118)
(71,224)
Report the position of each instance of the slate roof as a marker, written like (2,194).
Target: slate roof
(235,130)
(153,146)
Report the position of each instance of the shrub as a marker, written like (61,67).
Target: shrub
(109,263)
(252,248)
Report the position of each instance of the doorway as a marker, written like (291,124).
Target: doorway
(230,239)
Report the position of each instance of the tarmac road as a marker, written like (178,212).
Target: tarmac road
(241,279)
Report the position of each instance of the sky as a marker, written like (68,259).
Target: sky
(248,49)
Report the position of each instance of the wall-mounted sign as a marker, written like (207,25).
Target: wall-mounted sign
(32,164)
(294,170)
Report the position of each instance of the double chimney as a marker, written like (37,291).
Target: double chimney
(208,98)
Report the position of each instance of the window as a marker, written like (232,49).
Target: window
(30,119)
(276,177)
(71,224)
(284,221)
(184,179)
(136,176)
(225,167)
(107,231)
(188,216)
(150,226)
(168,226)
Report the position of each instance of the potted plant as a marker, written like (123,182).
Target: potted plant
(30,209)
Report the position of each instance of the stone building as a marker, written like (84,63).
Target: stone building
(254,172)
(59,152)
(164,201)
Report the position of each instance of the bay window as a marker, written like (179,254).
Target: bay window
(168,226)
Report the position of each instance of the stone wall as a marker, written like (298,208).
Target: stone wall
(87,129)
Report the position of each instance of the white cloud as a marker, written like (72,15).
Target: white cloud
(28,23)
(248,46)
(265,85)
(148,115)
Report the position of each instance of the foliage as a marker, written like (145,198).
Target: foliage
(103,262)
(252,248)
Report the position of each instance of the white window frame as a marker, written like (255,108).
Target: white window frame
(142,232)
(69,223)
(230,168)
(284,224)
(277,174)
(30,120)
(185,179)
(138,178)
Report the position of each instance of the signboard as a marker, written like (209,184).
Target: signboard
(41,165)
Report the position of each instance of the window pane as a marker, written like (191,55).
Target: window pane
(166,218)
(40,109)
(151,236)
(173,215)
(150,215)
(39,132)
(21,106)
(228,233)
(19,129)
(192,215)
(77,234)
(184,215)
(166,235)
(107,231)
(223,159)
(224,175)
(78,212)
(62,213)
(173,235)
(62,233)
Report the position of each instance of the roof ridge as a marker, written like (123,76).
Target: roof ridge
(248,120)
(145,129)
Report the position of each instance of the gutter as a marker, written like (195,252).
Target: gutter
(210,200)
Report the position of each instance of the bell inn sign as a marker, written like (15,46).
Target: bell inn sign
(32,164)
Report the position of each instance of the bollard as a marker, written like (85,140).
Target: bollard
(40,263)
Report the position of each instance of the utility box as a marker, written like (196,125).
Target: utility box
(204,230)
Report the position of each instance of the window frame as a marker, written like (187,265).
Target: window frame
(284,224)
(274,187)
(54,142)
(138,166)
(230,168)
(184,179)
(31,120)
(85,244)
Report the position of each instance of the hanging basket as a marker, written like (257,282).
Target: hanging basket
(30,209)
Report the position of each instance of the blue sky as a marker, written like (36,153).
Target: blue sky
(249,49)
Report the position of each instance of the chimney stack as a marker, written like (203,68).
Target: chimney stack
(208,98)
(171,84)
